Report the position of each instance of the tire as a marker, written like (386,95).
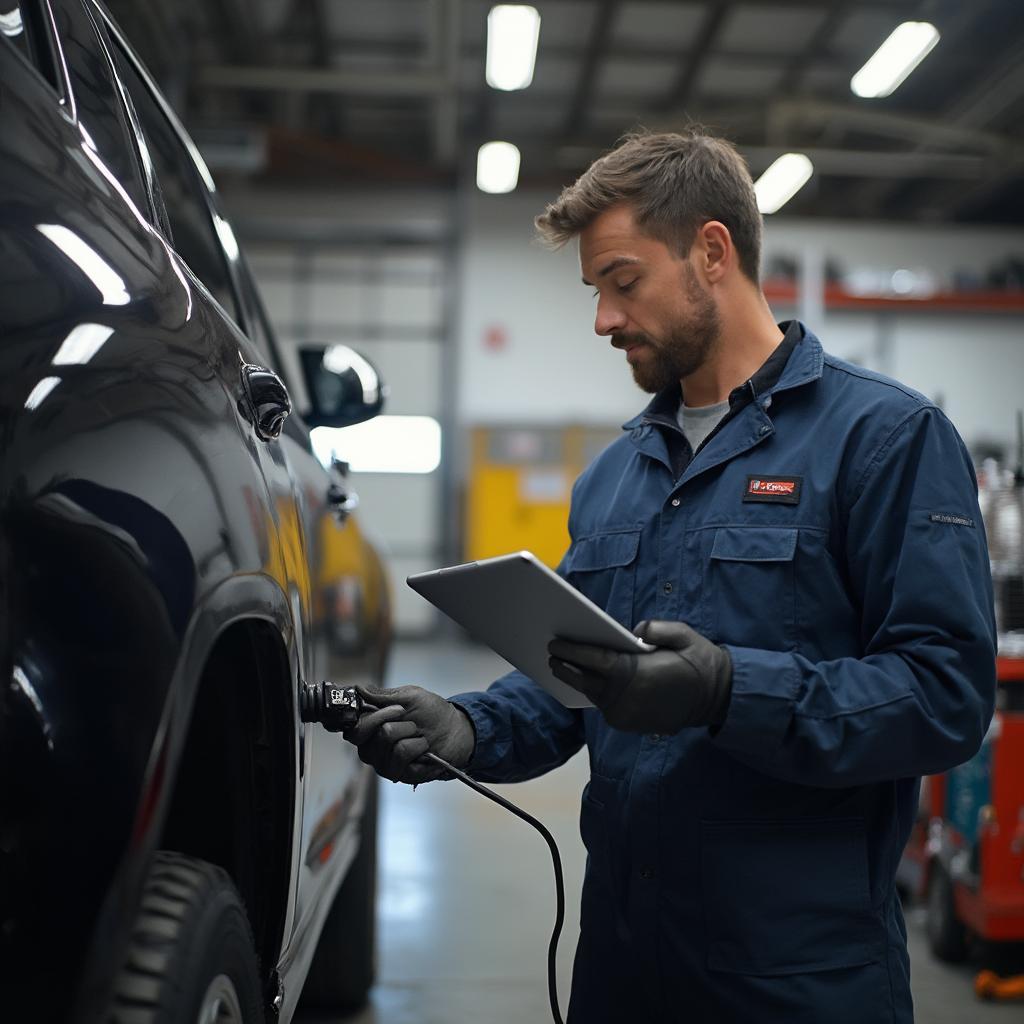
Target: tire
(345,963)
(947,936)
(191,947)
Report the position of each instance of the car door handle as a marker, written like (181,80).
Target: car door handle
(268,400)
(342,501)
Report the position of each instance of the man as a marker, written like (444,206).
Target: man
(801,540)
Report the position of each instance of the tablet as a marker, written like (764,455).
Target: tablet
(516,605)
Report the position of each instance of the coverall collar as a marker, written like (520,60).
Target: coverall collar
(804,364)
(745,426)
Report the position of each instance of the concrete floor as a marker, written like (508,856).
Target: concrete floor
(467,895)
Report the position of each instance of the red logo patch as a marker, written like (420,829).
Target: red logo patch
(779,490)
(772,487)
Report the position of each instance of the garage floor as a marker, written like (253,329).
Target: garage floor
(467,896)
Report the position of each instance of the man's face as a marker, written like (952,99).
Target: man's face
(649,300)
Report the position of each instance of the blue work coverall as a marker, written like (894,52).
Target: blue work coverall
(829,536)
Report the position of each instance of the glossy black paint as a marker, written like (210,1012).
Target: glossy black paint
(155,498)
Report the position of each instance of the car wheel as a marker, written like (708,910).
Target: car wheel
(947,937)
(191,957)
(345,963)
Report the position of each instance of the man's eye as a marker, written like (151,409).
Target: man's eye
(628,287)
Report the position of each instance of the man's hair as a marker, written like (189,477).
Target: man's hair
(675,183)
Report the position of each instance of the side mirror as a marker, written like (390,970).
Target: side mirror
(343,387)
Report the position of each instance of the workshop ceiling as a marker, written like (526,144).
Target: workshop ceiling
(294,91)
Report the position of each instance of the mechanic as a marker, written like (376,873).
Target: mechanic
(801,539)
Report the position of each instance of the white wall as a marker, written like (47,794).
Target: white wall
(554,369)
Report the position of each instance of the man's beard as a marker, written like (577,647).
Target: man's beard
(685,348)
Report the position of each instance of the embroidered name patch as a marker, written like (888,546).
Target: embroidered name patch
(950,519)
(779,490)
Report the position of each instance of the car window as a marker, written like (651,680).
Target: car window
(178,184)
(27,27)
(97,102)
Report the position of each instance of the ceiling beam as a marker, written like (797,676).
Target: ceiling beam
(298,79)
(407,48)
(243,42)
(792,113)
(860,163)
(443,51)
(816,48)
(600,33)
(693,64)
(978,107)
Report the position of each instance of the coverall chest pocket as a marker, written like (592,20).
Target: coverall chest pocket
(750,589)
(603,567)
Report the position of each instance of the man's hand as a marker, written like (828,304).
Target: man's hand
(687,681)
(410,721)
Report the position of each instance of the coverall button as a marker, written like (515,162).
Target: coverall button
(676,503)
(655,737)
(647,873)
(765,429)
(667,588)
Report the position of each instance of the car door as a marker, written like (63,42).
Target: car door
(311,541)
(121,475)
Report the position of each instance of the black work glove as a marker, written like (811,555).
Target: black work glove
(686,681)
(409,722)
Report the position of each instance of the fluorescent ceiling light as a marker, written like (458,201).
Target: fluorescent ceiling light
(497,167)
(512,34)
(782,181)
(385,444)
(908,45)
(40,391)
(82,344)
(108,282)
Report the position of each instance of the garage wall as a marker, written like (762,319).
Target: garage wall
(549,367)
(373,272)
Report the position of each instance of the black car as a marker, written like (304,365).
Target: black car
(175,565)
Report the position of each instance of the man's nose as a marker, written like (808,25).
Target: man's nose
(609,318)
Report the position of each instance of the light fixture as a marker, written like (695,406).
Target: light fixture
(40,391)
(497,167)
(385,444)
(890,64)
(83,342)
(512,34)
(108,282)
(782,181)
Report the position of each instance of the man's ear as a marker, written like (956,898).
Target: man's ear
(715,251)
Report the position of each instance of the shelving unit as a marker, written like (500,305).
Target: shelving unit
(836,297)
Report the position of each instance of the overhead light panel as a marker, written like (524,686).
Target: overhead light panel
(908,45)
(512,34)
(497,167)
(782,181)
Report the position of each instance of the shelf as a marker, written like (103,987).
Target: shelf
(837,297)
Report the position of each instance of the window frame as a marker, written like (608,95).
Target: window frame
(112,37)
(44,43)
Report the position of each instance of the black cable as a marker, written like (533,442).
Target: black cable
(338,708)
(556,862)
